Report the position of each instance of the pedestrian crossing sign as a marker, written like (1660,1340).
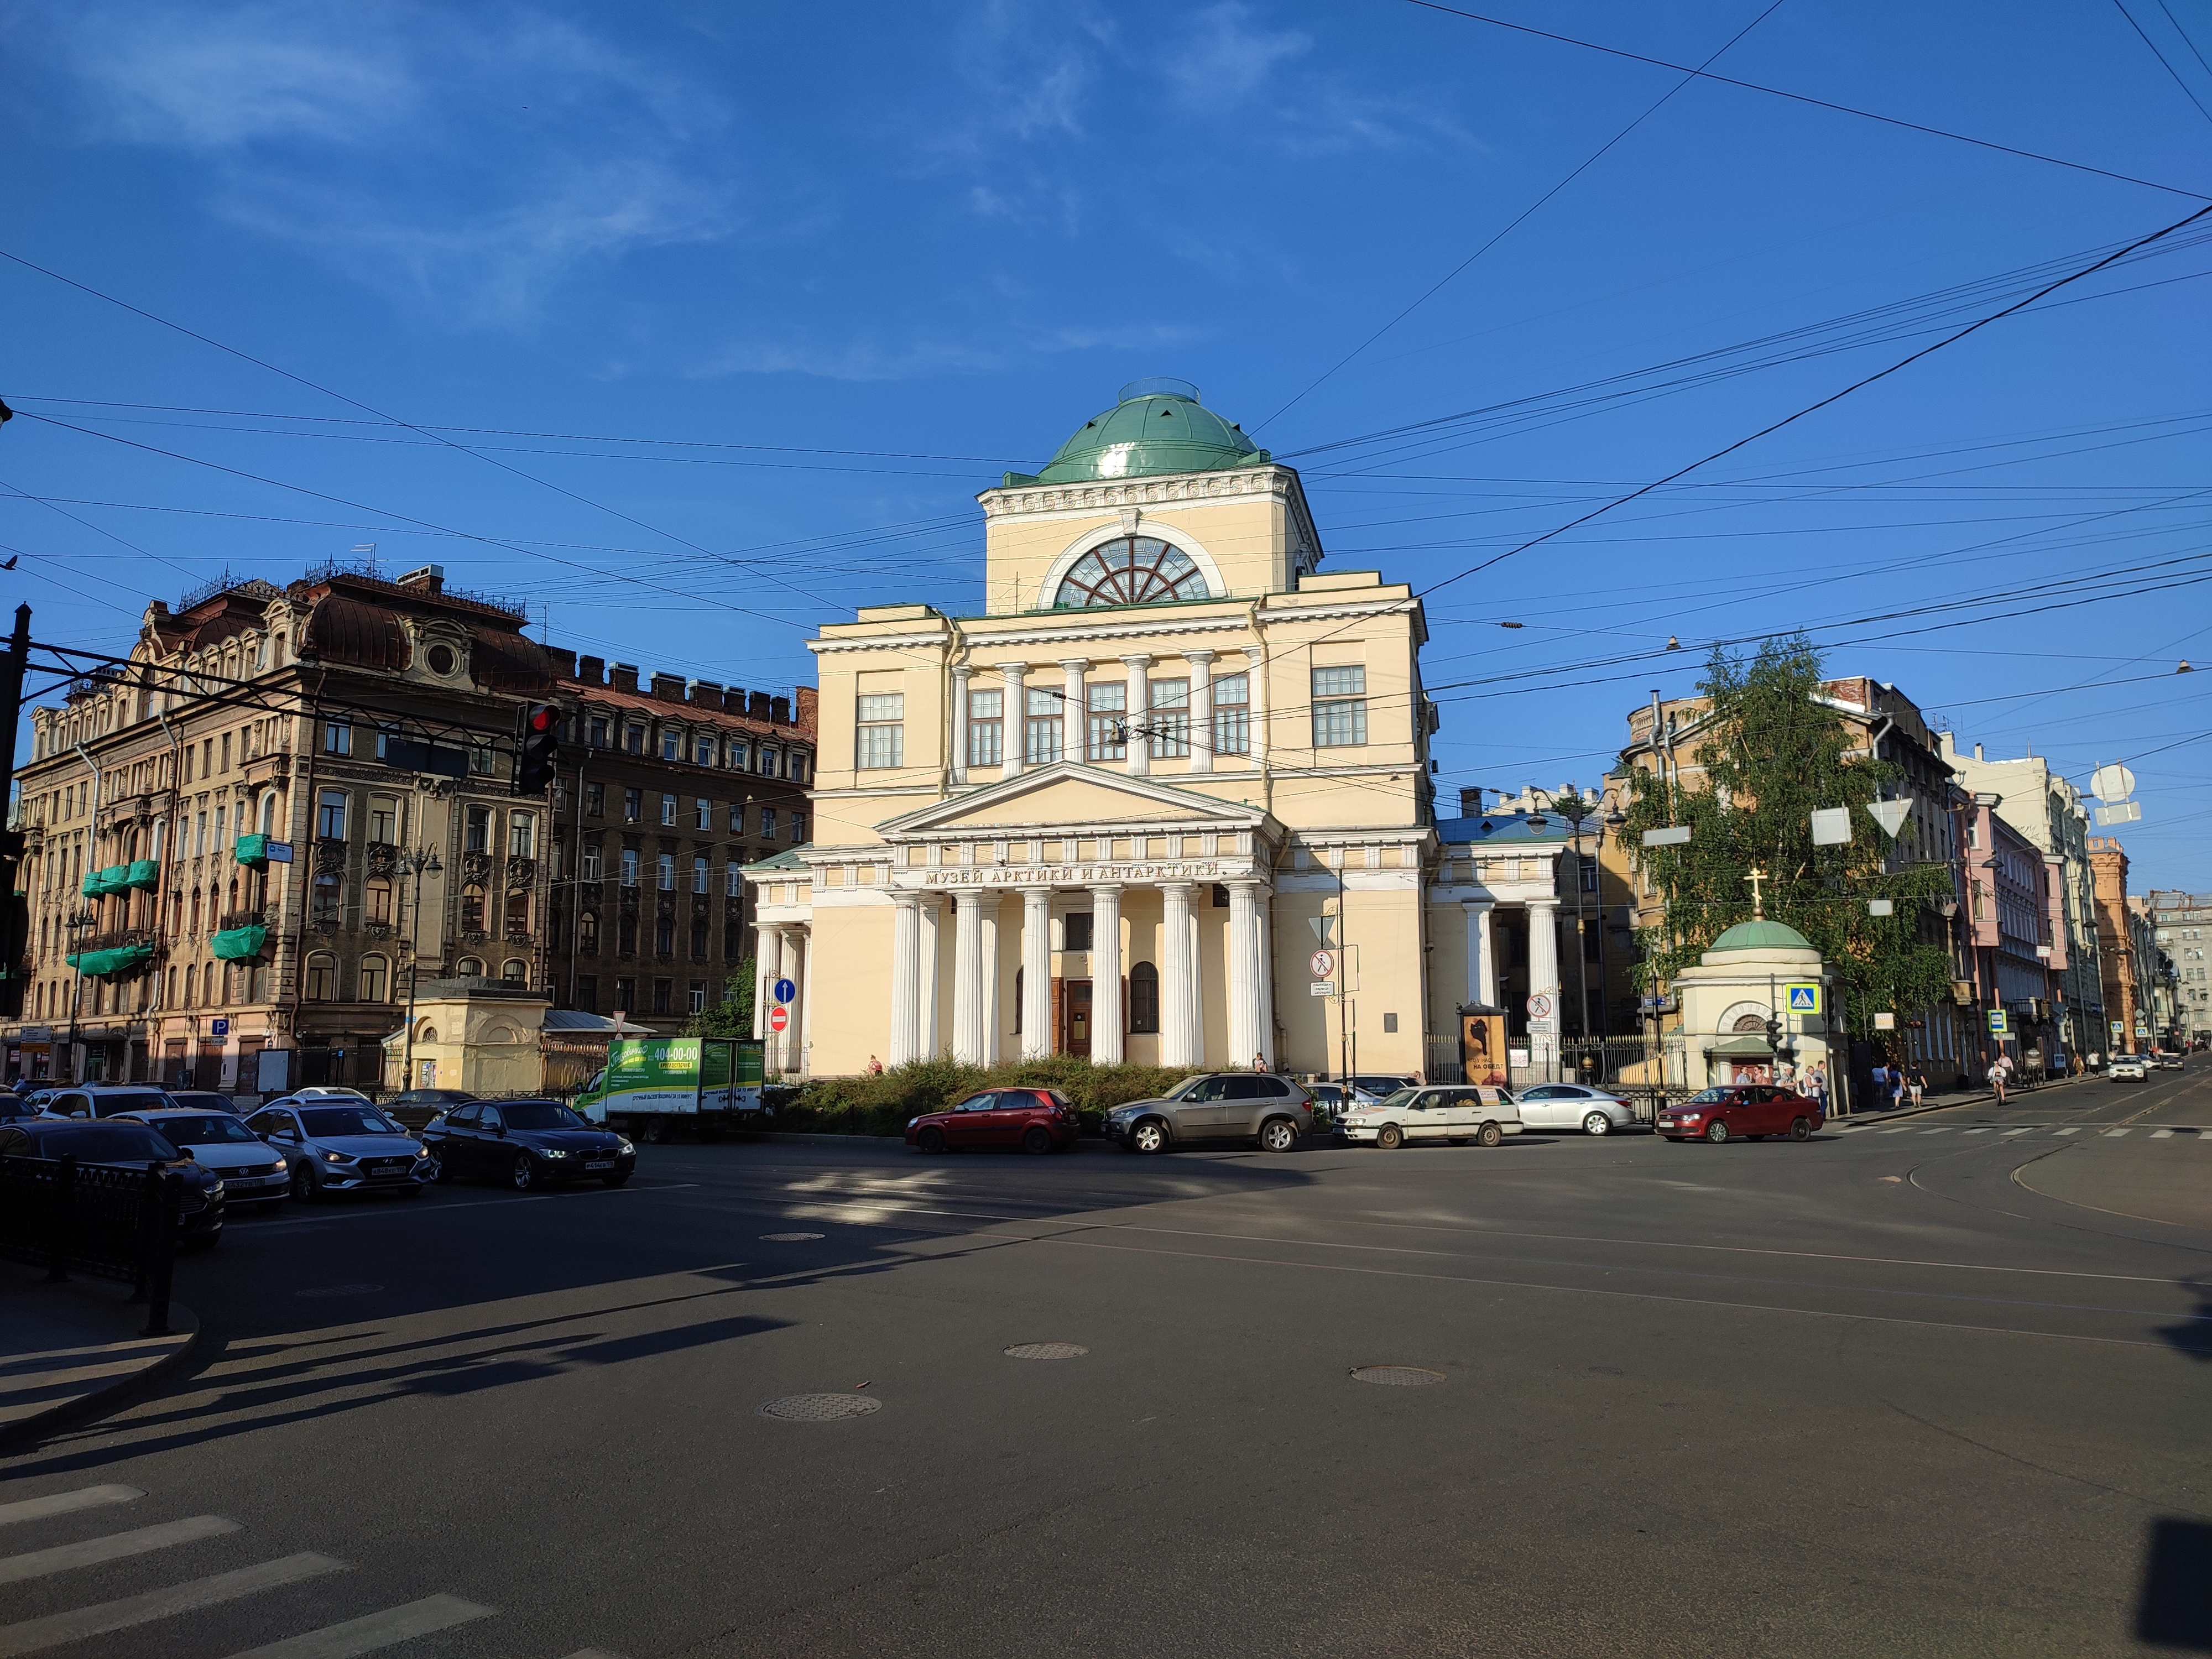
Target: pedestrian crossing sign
(1802,998)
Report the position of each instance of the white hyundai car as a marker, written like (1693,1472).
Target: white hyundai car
(338,1146)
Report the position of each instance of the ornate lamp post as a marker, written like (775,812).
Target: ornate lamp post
(416,865)
(78,922)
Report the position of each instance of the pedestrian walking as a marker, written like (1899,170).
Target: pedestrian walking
(1816,1088)
(2000,1074)
(1896,1087)
(1881,1090)
(1916,1083)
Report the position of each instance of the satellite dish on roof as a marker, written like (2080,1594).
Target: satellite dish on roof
(2113,782)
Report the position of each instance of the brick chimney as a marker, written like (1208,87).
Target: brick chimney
(669,688)
(733,700)
(756,706)
(705,693)
(592,670)
(810,710)
(625,677)
(779,710)
(1470,803)
(564,662)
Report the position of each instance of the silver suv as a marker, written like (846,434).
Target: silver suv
(90,1100)
(1270,1111)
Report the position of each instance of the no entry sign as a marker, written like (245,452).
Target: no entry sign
(779,1017)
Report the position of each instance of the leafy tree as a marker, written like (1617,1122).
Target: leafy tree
(1772,754)
(733,1017)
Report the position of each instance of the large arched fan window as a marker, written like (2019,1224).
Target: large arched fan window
(1130,570)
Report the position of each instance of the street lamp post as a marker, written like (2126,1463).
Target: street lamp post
(415,864)
(76,923)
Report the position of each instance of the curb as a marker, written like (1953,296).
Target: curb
(24,1430)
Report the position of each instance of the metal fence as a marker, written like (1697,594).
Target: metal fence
(97,1219)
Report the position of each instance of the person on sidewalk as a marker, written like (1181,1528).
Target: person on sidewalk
(2000,1074)
(1816,1087)
(1916,1084)
(1880,1093)
(1896,1087)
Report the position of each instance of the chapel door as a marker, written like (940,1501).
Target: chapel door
(1075,1017)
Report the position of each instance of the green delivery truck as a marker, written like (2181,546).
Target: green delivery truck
(651,1083)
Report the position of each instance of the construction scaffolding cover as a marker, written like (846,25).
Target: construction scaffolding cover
(239,942)
(143,873)
(252,849)
(100,964)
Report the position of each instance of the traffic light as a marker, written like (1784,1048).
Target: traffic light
(540,755)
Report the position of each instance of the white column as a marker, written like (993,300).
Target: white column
(991,1022)
(1139,699)
(926,1041)
(1264,943)
(1072,710)
(768,951)
(1255,664)
(1178,1038)
(967,976)
(803,1021)
(1015,719)
(1106,1049)
(906,930)
(960,723)
(786,1042)
(1201,709)
(1244,1038)
(1037,972)
(1481,982)
(1196,955)
(1544,973)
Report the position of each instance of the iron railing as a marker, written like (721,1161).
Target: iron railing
(94,1218)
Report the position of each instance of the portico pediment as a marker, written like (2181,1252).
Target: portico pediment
(1069,798)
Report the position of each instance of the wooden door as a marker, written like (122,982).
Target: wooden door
(1075,1017)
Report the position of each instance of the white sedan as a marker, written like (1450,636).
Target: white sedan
(1575,1106)
(251,1169)
(1447,1112)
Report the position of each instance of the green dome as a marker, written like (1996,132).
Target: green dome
(1761,936)
(1158,427)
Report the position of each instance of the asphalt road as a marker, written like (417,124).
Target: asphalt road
(1938,1385)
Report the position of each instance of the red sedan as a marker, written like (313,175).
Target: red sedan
(1034,1119)
(1754,1110)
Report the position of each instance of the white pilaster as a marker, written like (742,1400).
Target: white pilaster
(991,1022)
(787,1041)
(967,976)
(1544,974)
(1264,943)
(1256,662)
(1178,1038)
(1037,972)
(960,723)
(1072,708)
(1243,1000)
(906,991)
(1481,978)
(1201,709)
(768,951)
(803,1022)
(1139,699)
(926,1043)
(1012,733)
(1106,1021)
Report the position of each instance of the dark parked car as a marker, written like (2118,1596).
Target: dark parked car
(416,1109)
(1034,1119)
(15,1106)
(89,1100)
(1754,1110)
(526,1144)
(203,1100)
(1216,1106)
(129,1147)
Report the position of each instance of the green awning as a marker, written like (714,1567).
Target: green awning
(252,849)
(145,872)
(1745,1046)
(239,942)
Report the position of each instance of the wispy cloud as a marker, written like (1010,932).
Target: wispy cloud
(468,159)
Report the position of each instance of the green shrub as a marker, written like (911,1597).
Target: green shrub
(881,1105)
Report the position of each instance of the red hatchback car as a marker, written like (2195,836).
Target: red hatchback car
(1034,1119)
(1754,1110)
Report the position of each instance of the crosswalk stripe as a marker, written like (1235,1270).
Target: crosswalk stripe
(35,1635)
(2075,1130)
(65,1503)
(374,1631)
(1902,1129)
(2018,1131)
(1977,1132)
(2161,1134)
(14,1568)
(1941,1129)
(2114,1134)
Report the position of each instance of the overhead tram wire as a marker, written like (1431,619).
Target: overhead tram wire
(1804,98)
(2186,90)
(1514,223)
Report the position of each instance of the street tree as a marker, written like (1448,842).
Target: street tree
(1772,752)
(733,1017)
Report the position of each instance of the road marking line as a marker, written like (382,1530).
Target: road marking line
(2114,1134)
(1904,1130)
(1976,1131)
(14,1568)
(2072,1129)
(35,1635)
(374,1631)
(65,1503)
(2020,1131)
(2161,1134)
(1945,1130)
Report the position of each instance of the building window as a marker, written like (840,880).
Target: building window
(740,756)
(322,977)
(633,806)
(328,904)
(1232,715)
(514,971)
(703,752)
(699,939)
(696,996)
(702,815)
(1170,719)
(629,866)
(374,976)
(737,817)
(768,823)
(1143,998)
(595,801)
(476,830)
(879,739)
(329,820)
(599,732)
(587,932)
(668,873)
(472,909)
(384,820)
(1042,728)
(1076,930)
(1130,570)
(798,827)
(663,991)
(771,760)
(664,935)
(634,739)
(376,903)
(699,873)
(1340,707)
(482,760)
(518,913)
(338,739)
(522,835)
(798,769)
(672,746)
(1108,736)
(626,996)
(734,880)
(668,810)
(589,863)
(987,727)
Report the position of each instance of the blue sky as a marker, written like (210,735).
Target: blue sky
(719,317)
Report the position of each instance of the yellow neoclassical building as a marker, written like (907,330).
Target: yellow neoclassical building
(1166,800)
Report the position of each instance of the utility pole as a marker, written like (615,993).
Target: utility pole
(12,949)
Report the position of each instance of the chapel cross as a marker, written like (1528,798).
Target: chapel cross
(1756,876)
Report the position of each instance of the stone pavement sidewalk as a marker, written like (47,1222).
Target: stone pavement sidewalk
(64,1347)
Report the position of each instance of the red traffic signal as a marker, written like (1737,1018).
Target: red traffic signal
(539,754)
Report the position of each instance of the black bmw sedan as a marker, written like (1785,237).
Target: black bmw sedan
(526,1144)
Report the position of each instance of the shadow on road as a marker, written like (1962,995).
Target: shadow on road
(2174,1608)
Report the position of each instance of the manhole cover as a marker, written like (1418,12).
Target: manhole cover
(820,1407)
(1396,1377)
(789,1238)
(1046,1351)
(341,1290)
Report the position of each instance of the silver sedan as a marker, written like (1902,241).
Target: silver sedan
(1575,1106)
